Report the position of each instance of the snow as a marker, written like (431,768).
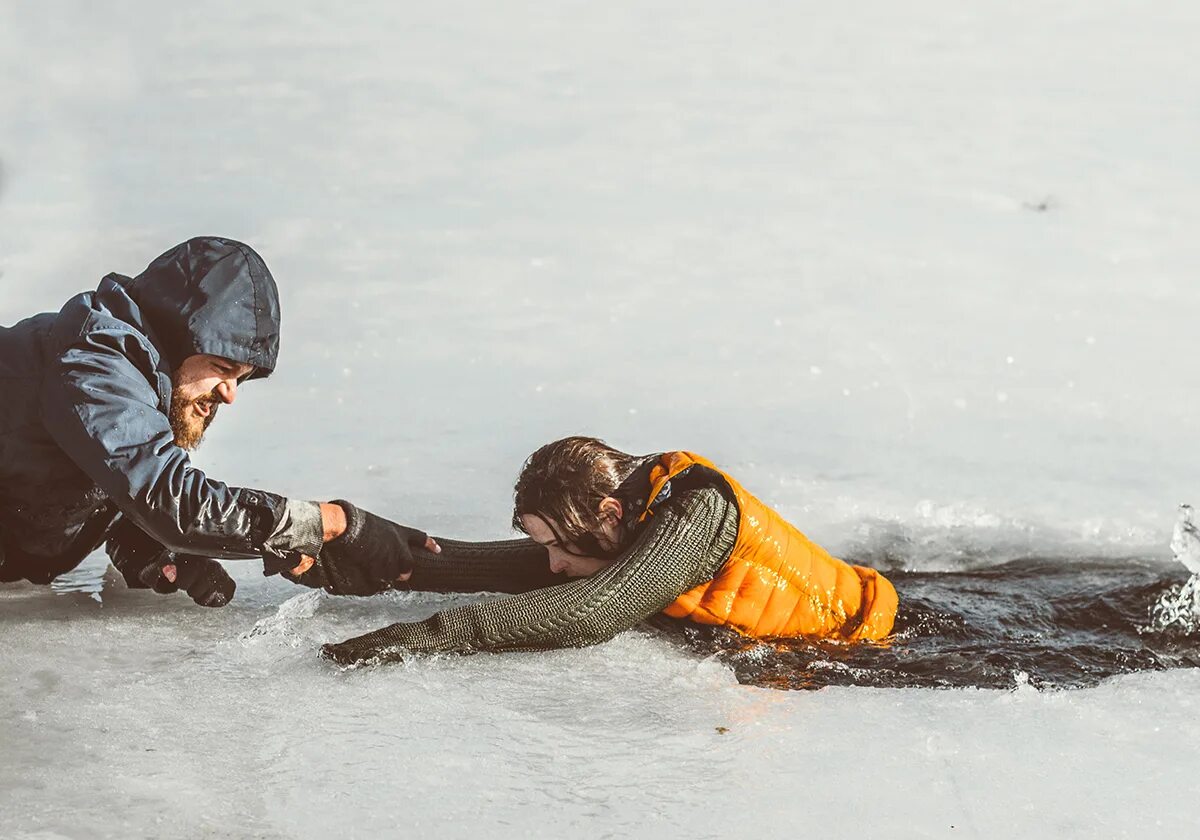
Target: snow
(921,275)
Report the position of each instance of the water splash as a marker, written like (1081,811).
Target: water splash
(283,625)
(1185,540)
(1178,609)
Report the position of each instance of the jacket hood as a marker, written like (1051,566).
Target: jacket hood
(211,295)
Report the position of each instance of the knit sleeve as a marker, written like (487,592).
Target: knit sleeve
(686,542)
(495,566)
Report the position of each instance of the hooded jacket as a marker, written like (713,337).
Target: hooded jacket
(84,428)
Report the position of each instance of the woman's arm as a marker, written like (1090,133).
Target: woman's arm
(686,542)
(497,566)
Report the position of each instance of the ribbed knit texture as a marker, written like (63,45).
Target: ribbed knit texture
(682,546)
(499,566)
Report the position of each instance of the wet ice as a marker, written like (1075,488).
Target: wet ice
(513,224)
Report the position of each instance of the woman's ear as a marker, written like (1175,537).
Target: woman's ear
(610,508)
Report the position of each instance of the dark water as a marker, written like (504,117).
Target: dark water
(1057,623)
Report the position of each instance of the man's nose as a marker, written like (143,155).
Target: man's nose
(557,566)
(227,390)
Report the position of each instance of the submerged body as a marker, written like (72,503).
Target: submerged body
(701,549)
(777,582)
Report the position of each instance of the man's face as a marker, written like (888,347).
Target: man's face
(201,384)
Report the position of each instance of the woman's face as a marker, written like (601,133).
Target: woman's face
(568,558)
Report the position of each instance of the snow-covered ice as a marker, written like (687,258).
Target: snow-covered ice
(922,275)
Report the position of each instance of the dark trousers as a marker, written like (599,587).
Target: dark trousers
(16,564)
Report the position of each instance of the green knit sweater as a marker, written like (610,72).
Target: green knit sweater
(683,545)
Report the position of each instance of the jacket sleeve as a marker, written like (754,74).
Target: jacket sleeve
(685,544)
(101,406)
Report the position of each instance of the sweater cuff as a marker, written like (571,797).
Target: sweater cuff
(299,530)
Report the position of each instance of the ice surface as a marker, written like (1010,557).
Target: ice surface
(119,723)
(922,275)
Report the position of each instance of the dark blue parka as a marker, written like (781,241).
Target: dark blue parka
(84,429)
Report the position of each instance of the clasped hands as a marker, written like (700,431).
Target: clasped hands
(365,555)
(370,555)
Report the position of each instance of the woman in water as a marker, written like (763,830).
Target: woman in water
(618,539)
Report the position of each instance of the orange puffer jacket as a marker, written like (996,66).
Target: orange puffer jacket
(778,582)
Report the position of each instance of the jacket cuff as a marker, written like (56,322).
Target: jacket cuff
(300,529)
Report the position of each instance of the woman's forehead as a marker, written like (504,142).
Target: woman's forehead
(537,528)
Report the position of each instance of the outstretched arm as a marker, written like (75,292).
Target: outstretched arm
(497,566)
(684,545)
(106,412)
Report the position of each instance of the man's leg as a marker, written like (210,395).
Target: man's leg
(21,565)
(5,571)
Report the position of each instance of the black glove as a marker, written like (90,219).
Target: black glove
(204,580)
(142,561)
(137,556)
(367,559)
(313,577)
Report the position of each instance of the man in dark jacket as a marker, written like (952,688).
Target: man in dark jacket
(103,399)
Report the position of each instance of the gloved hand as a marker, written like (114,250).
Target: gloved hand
(146,564)
(373,554)
(205,581)
(313,577)
(133,552)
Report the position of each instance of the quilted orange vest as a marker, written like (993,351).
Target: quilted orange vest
(778,582)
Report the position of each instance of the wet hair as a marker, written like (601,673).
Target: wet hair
(564,482)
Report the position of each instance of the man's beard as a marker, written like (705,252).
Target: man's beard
(189,428)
